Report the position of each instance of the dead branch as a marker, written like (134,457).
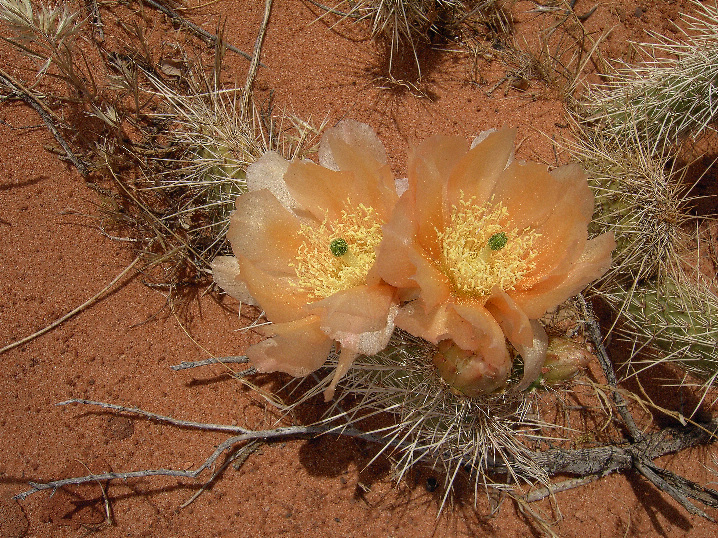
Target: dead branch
(283,433)
(586,464)
(256,53)
(594,331)
(73,312)
(639,454)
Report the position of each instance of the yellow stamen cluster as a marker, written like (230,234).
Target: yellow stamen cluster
(480,251)
(320,271)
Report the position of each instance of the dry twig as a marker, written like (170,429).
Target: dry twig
(586,463)
(72,312)
(243,434)
(201,32)
(256,53)
(639,454)
(27,96)
(213,360)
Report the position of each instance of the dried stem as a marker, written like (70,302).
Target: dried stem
(73,312)
(213,360)
(587,464)
(201,32)
(594,332)
(96,19)
(27,96)
(283,433)
(256,53)
(565,485)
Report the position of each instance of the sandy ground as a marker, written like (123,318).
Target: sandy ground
(53,258)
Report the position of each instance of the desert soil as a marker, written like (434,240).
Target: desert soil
(53,258)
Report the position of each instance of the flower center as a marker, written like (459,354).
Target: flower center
(336,256)
(481,251)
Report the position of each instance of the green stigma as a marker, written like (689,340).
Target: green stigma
(338,247)
(497,241)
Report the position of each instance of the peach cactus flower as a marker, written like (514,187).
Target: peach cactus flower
(481,246)
(305,238)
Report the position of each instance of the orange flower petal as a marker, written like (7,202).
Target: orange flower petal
(225,272)
(477,172)
(373,181)
(403,263)
(563,233)
(435,285)
(430,165)
(392,261)
(264,232)
(593,263)
(556,253)
(346,358)
(528,192)
(297,347)
(357,318)
(534,355)
(492,341)
(572,179)
(562,238)
(318,190)
(512,320)
(469,325)
(440,323)
(267,172)
(280,299)
(325,193)
(356,134)
(492,365)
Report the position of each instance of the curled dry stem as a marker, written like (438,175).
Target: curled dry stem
(197,30)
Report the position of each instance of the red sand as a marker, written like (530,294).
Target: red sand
(119,350)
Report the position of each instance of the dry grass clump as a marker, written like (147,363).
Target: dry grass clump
(48,35)
(407,27)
